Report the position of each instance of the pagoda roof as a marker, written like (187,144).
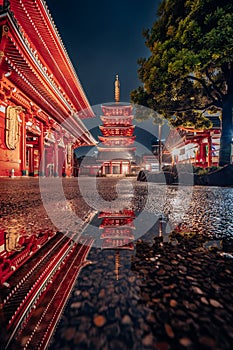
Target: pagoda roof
(117,244)
(116,143)
(116,117)
(117,105)
(123,226)
(110,127)
(117,137)
(117,109)
(36,63)
(112,149)
(126,213)
(118,235)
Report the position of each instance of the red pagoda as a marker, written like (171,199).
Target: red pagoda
(116,151)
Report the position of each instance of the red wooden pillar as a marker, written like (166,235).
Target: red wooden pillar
(23,145)
(31,161)
(111,168)
(72,161)
(209,150)
(202,153)
(198,154)
(41,151)
(121,168)
(64,166)
(61,160)
(55,159)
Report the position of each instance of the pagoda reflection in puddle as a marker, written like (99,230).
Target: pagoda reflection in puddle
(117,229)
(117,232)
(120,231)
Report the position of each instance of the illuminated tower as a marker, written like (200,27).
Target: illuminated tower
(116,150)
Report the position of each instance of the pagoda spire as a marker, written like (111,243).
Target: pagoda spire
(117,89)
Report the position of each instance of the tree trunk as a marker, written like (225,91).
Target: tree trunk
(227,131)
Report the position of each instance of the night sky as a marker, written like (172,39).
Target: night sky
(104,38)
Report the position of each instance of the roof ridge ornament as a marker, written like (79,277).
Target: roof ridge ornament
(117,89)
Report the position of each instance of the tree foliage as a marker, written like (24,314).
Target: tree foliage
(190,67)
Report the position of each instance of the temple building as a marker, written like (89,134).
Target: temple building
(41,99)
(116,151)
(199,147)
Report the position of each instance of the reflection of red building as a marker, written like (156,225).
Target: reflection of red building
(117,229)
(117,232)
(36,277)
(39,91)
(116,151)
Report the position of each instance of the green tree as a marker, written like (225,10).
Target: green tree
(190,68)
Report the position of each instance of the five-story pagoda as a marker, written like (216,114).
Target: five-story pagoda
(116,150)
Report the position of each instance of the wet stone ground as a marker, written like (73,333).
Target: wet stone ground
(173,291)
(165,298)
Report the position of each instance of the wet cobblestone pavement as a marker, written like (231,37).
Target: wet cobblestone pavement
(173,291)
(165,298)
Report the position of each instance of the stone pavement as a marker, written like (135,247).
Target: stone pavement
(171,294)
